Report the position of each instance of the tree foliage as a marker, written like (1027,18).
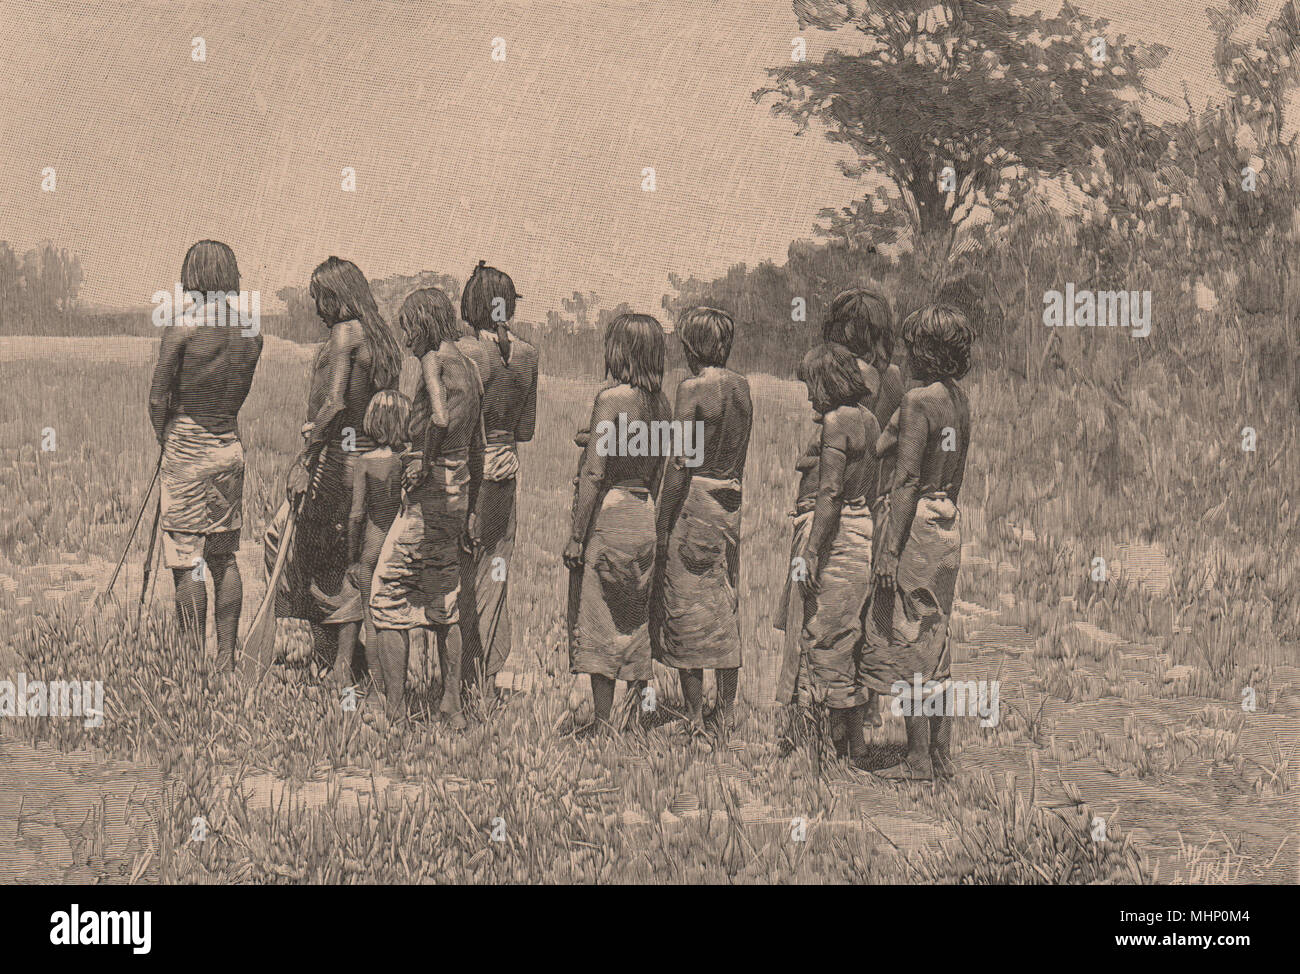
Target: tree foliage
(957,101)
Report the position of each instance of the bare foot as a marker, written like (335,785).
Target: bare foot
(906,771)
(943,765)
(597,728)
(452,721)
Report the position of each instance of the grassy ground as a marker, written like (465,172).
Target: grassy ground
(1121,700)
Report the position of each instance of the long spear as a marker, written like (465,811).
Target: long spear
(135,527)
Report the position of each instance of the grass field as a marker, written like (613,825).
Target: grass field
(1122,701)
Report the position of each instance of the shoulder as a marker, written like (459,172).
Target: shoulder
(870,377)
(177,333)
(471,346)
(526,351)
(923,400)
(918,396)
(841,422)
(739,382)
(347,335)
(616,395)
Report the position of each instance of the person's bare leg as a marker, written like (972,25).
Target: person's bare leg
(854,745)
(727,680)
(602,700)
(393,649)
(341,674)
(692,682)
(372,659)
(845,722)
(228,599)
(941,746)
(871,715)
(324,643)
(917,763)
(449,659)
(191,606)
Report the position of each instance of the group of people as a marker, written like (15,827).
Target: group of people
(877,538)
(403,500)
(655,541)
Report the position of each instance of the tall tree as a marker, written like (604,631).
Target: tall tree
(951,101)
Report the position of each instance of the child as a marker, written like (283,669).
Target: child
(838,576)
(789,616)
(861,320)
(376,496)
(920,553)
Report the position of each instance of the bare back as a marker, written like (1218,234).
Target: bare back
(342,369)
(509,389)
(933,437)
(852,430)
(718,398)
(617,404)
(204,371)
(461,394)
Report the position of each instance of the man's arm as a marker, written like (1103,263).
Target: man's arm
(477,444)
(527,422)
(171,354)
(357,516)
(959,475)
(830,488)
(913,433)
(591,477)
(338,365)
(431,367)
(676,476)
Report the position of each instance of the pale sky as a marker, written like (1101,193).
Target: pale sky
(533,164)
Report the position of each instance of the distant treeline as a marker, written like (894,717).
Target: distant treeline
(37,290)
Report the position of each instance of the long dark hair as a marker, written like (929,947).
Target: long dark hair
(342,293)
(478,302)
(427,320)
(634,351)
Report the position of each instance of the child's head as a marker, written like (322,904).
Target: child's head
(706,335)
(860,319)
(634,351)
(938,340)
(832,376)
(385,419)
